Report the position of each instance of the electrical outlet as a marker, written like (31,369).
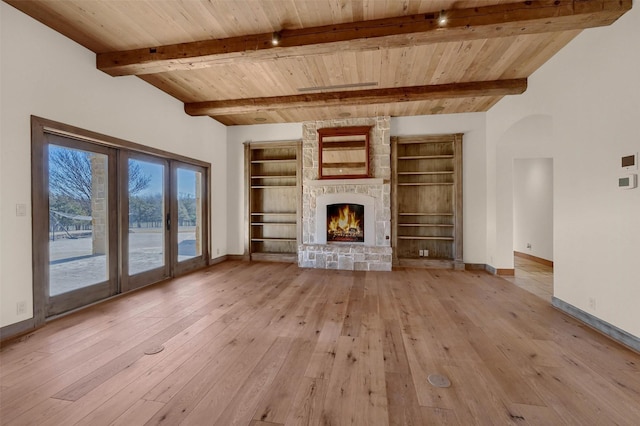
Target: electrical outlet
(421,253)
(426,253)
(21,307)
(528,245)
(217,251)
(592,303)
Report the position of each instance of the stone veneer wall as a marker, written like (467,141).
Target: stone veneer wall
(347,256)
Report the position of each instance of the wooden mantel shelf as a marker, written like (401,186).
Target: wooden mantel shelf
(327,182)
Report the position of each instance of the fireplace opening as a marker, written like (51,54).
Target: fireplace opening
(345,223)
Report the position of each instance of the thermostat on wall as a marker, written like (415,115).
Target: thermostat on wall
(629,162)
(629,181)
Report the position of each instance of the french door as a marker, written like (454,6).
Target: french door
(81,251)
(109,219)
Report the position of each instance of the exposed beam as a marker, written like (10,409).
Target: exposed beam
(502,20)
(358,97)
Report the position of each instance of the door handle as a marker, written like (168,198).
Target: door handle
(168,222)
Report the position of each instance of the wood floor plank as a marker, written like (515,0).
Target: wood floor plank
(341,398)
(404,409)
(243,405)
(351,324)
(138,414)
(268,344)
(307,407)
(117,364)
(277,401)
(204,409)
(38,414)
(24,396)
(178,351)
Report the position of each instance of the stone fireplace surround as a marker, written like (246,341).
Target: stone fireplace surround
(374,193)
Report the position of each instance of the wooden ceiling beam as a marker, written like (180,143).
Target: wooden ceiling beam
(358,97)
(502,20)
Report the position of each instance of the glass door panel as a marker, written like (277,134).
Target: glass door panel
(78,229)
(80,248)
(189,224)
(146,192)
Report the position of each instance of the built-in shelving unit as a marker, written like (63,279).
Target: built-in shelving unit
(272,171)
(427,200)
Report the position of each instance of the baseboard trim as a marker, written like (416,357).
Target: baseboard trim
(533,258)
(242,257)
(503,272)
(13,331)
(475,267)
(620,336)
(217,260)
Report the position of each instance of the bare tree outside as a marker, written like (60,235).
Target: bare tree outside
(70,178)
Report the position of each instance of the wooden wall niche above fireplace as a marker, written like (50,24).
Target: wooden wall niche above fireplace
(344,152)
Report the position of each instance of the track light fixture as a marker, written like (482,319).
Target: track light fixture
(275,38)
(442,17)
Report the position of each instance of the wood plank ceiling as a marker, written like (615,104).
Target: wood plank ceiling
(335,58)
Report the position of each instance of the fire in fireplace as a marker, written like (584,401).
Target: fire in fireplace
(345,223)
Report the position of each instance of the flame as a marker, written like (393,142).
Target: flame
(345,222)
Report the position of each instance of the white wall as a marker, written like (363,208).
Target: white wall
(46,74)
(533,206)
(582,109)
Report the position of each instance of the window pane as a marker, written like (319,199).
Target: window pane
(146,216)
(78,225)
(189,214)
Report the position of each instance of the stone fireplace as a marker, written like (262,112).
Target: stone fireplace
(363,239)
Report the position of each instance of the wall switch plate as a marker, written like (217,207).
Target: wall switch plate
(21,209)
(426,253)
(421,253)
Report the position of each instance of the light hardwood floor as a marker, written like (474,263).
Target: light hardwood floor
(266,344)
(534,277)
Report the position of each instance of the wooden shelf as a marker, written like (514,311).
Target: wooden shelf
(275,160)
(274,177)
(425,157)
(280,240)
(354,165)
(426,225)
(271,186)
(425,214)
(412,237)
(425,183)
(272,223)
(443,172)
(272,214)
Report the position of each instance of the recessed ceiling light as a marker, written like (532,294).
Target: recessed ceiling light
(260,119)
